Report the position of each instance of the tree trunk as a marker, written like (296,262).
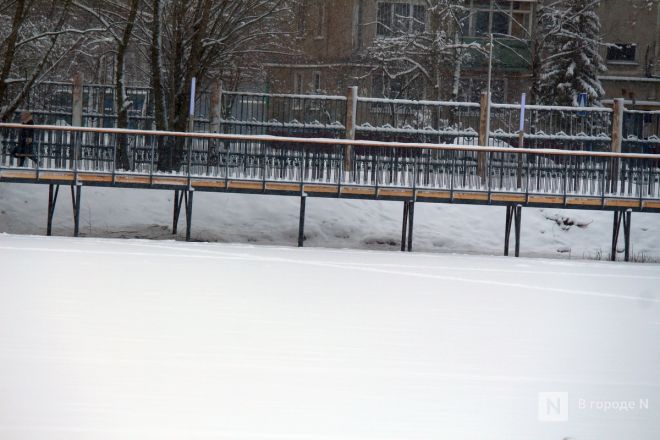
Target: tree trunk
(121,100)
(10,44)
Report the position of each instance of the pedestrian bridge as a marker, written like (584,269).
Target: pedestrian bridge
(340,168)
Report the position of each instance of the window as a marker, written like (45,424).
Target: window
(622,52)
(316,84)
(419,19)
(521,19)
(298,83)
(320,28)
(400,18)
(300,20)
(505,17)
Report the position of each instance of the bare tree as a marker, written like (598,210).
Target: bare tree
(118,19)
(38,35)
(203,39)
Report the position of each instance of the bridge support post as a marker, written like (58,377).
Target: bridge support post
(407,226)
(301,220)
(626,216)
(411,218)
(626,232)
(75,202)
(178,202)
(513,217)
(518,224)
(53,191)
(189,207)
(404,227)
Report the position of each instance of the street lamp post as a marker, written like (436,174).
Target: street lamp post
(490,78)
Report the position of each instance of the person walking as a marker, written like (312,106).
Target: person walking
(25,147)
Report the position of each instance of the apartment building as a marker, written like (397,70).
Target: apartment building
(633,65)
(334,38)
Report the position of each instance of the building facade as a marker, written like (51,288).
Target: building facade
(633,66)
(334,40)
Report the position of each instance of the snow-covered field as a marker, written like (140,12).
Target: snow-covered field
(333,223)
(132,339)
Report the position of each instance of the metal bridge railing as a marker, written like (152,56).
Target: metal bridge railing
(371,164)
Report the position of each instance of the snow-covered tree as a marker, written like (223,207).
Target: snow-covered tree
(425,43)
(36,36)
(118,18)
(203,39)
(570,61)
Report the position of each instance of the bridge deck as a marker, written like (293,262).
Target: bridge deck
(164,182)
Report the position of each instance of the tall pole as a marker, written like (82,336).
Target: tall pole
(490,78)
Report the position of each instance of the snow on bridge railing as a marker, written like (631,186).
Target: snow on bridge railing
(266,158)
(9,133)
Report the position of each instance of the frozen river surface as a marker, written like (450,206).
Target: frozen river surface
(141,340)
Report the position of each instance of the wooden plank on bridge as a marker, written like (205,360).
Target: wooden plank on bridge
(514,198)
(398,193)
(651,205)
(134,180)
(584,201)
(18,174)
(431,194)
(550,200)
(94,178)
(290,187)
(358,190)
(245,184)
(180,181)
(208,183)
(471,196)
(49,176)
(623,203)
(324,189)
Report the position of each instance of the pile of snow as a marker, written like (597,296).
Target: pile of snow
(108,212)
(127,339)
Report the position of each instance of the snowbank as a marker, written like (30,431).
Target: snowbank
(330,223)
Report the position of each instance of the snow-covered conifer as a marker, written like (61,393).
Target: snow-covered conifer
(571,62)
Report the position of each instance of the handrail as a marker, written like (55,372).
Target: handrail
(282,95)
(331,141)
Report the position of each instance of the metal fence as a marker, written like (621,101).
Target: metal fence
(641,131)
(275,114)
(417,121)
(587,129)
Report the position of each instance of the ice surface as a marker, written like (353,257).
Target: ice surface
(128,339)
